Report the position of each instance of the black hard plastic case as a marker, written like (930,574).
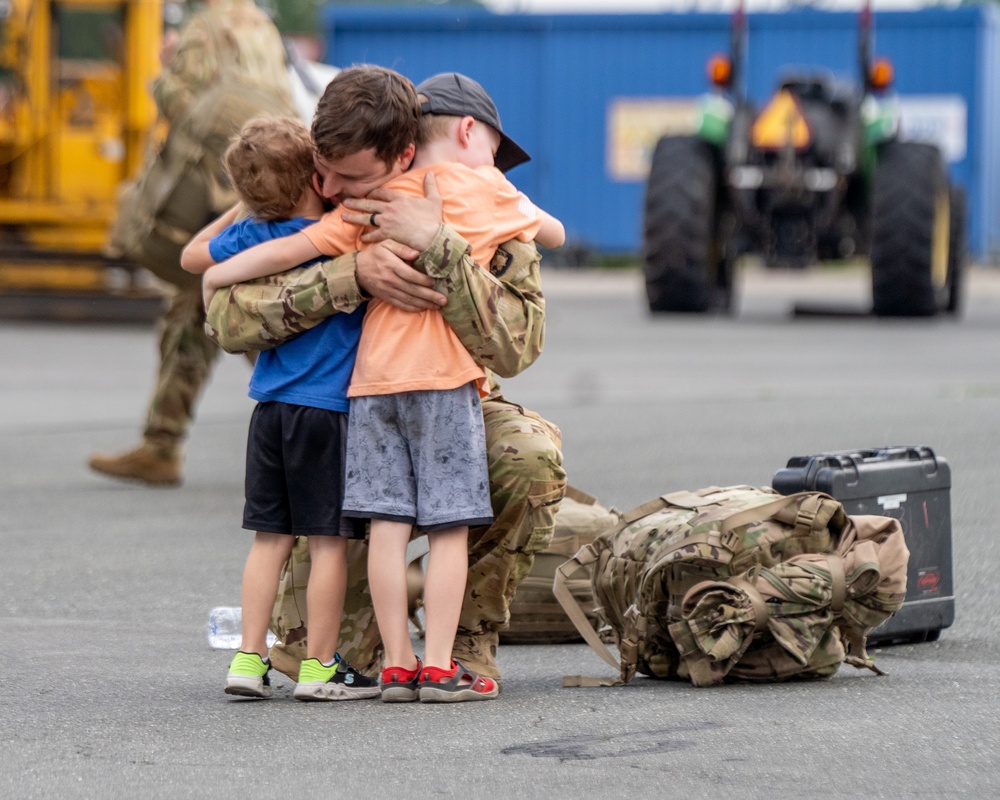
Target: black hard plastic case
(912,484)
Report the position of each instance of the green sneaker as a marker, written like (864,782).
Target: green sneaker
(337,682)
(248,676)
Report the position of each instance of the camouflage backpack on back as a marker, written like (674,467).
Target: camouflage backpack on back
(229,66)
(739,583)
(185,186)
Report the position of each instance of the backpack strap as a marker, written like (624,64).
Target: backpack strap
(758,513)
(709,496)
(856,640)
(579,495)
(814,513)
(647,508)
(838,583)
(586,556)
(683,499)
(748,585)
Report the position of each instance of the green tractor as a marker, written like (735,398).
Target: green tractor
(820,173)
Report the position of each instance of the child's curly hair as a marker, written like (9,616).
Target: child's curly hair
(270,164)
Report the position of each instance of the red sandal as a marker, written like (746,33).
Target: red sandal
(456,685)
(400,685)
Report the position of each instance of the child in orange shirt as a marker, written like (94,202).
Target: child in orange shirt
(416,442)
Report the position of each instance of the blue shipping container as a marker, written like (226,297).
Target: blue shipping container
(588,94)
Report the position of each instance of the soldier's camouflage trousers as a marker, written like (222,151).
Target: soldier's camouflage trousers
(527,482)
(187,356)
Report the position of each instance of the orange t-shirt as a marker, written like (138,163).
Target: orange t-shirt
(406,351)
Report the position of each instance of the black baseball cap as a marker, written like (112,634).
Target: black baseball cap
(457,95)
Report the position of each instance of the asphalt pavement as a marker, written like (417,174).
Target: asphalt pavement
(110,689)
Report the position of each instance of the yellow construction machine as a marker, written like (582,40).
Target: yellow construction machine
(76,119)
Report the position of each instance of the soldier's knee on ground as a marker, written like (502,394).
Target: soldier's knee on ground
(527,482)
(527,479)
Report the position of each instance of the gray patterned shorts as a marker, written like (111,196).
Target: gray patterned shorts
(418,457)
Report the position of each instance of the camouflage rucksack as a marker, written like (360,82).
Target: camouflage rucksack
(184,185)
(536,617)
(739,583)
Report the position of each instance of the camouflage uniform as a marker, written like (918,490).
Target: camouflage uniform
(500,317)
(229,65)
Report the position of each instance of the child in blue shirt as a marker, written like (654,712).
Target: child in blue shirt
(298,431)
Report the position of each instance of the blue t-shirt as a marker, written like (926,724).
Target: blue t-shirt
(313,369)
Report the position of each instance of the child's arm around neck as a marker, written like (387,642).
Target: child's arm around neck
(552,234)
(269,258)
(195,257)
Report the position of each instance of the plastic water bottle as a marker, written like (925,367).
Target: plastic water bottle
(225,628)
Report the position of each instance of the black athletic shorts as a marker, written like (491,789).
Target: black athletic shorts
(295,472)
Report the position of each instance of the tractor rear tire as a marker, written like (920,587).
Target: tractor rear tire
(910,231)
(957,249)
(683,264)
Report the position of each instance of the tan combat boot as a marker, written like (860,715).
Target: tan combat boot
(287,658)
(148,463)
(478,652)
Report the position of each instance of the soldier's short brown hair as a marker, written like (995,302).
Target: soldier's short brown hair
(366,107)
(270,164)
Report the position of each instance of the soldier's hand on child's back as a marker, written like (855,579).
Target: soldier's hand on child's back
(410,220)
(384,271)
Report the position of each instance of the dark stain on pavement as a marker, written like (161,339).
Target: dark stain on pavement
(633,743)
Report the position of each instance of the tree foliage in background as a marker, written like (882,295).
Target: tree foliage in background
(294,16)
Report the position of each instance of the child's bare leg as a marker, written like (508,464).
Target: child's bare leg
(325,594)
(268,554)
(444,589)
(387,581)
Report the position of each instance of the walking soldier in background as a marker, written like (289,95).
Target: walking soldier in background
(226,66)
